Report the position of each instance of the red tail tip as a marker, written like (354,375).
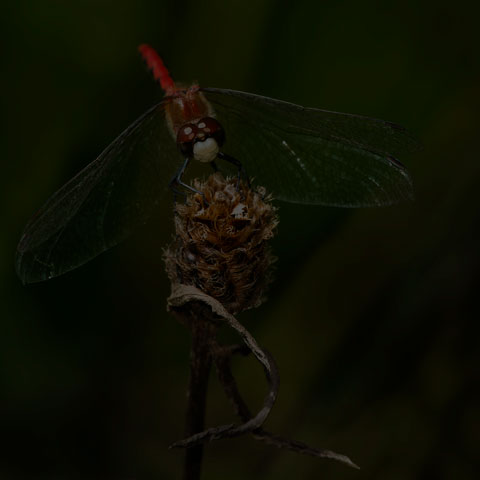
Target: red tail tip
(158,68)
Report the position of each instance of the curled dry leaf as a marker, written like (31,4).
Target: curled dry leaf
(186,295)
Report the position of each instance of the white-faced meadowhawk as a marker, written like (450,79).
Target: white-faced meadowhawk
(301,155)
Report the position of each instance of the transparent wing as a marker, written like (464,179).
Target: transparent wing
(103,203)
(312,156)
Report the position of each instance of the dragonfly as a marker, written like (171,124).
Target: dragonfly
(301,155)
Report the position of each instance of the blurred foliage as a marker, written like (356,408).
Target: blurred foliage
(373,316)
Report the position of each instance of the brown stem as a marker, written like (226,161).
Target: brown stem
(203,331)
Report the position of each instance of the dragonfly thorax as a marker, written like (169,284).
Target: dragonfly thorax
(201,140)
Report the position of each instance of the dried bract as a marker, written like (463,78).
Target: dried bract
(221,245)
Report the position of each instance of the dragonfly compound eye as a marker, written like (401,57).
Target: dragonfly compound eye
(185,138)
(210,127)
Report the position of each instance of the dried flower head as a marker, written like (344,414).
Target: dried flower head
(221,244)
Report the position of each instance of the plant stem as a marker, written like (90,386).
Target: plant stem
(200,363)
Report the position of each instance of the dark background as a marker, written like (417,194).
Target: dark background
(371,317)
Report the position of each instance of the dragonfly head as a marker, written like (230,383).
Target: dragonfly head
(201,140)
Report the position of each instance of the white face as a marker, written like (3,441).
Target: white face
(205,151)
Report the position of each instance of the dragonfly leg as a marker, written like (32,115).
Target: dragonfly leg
(241,169)
(176,181)
(214,166)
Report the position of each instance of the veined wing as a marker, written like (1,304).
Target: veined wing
(313,156)
(103,203)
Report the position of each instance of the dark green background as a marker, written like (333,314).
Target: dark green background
(371,318)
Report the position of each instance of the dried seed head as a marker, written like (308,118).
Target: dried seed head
(221,244)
